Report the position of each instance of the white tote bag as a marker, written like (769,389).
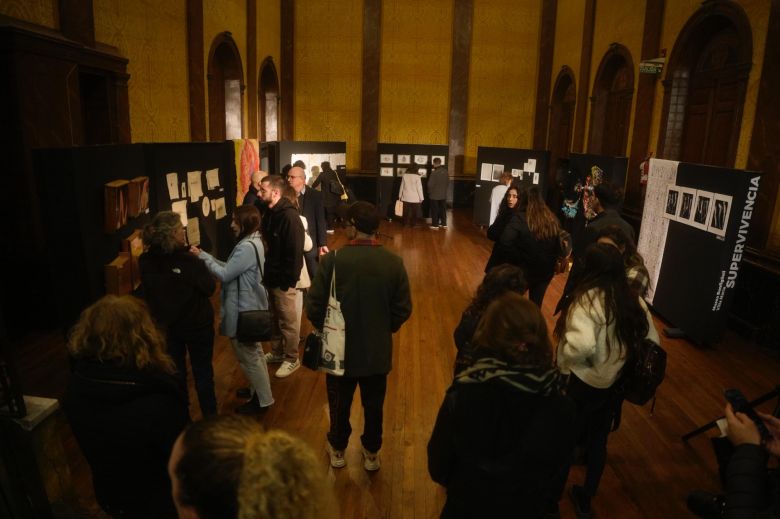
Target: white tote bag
(333,332)
(399,208)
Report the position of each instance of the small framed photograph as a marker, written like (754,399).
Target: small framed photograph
(385,172)
(719,216)
(423,172)
(686,209)
(400,171)
(404,159)
(672,201)
(386,158)
(498,170)
(421,160)
(702,209)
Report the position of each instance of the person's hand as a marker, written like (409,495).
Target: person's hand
(195,251)
(773,424)
(741,428)
(324,250)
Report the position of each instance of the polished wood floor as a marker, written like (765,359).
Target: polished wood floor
(649,472)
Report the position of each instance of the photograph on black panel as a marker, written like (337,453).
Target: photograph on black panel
(718,221)
(686,209)
(672,201)
(703,209)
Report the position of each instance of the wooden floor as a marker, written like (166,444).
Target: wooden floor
(649,471)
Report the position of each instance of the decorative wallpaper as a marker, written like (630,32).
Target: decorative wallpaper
(220,16)
(41,12)
(415,64)
(502,77)
(328,73)
(152,35)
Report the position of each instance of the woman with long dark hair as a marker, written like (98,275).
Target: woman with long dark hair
(242,289)
(125,406)
(510,205)
(177,288)
(636,272)
(600,327)
(504,430)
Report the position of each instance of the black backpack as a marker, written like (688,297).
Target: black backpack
(643,373)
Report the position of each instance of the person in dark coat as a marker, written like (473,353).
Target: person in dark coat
(125,406)
(310,205)
(334,193)
(504,430)
(507,209)
(438,184)
(605,202)
(373,289)
(177,286)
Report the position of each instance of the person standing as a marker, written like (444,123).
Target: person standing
(284,235)
(438,184)
(411,194)
(497,194)
(177,287)
(333,193)
(373,289)
(251,196)
(311,208)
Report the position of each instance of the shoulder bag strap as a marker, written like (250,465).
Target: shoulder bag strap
(260,268)
(333,277)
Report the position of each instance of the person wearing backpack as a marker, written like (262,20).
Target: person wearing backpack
(602,325)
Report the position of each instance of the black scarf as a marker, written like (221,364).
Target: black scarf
(525,379)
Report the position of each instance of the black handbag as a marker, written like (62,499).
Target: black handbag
(254,325)
(312,351)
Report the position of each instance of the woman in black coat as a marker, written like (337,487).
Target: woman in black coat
(125,407)
(177,286)
(506,211)
(504,431)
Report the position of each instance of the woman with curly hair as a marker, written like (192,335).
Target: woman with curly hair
(500,280)
(177,287)
(230,468)
(504,430)
(601,325)
(125,406)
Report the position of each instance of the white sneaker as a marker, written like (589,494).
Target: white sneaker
(330,231)
(336,457)
(370,460)
(443,226)
(288,368)
(434,227)
(273,358)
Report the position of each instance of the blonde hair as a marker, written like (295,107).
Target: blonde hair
(232,468)
(120,328)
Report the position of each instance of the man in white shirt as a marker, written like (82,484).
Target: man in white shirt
(497,195)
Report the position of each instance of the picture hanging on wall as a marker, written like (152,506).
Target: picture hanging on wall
(386,172)
(702,210)
(404,159)
(498,170)
(687,198)
(386,158)
(400,171)
(421,160)
(672,202)
(721,207)
(423,172)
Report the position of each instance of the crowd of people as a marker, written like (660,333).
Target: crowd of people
(518,409)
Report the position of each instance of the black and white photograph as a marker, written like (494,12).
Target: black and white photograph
(498,169)
(386,172)
(386,158)
(399,171)
(719,217)
(421,160)
(404,159)
(687,199)
(702,209)
(672,201)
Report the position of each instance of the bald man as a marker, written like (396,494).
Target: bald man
(310,205)
(251,197)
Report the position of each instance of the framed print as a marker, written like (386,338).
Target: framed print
(385,172)
(421,160)
(672,201)
(719,216)
(400,171)
(498,170)
(686,210)
(423,172)
(702,209)
(386,158)
(404,159)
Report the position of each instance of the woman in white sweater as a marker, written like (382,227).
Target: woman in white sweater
(602,324)
(411,194)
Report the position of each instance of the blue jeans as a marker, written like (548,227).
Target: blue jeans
(252,360)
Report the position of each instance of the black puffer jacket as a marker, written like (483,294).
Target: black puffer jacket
(283,234)
(752,491)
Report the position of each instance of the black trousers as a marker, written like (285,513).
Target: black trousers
(372,395)
(201,351)
(536,292)
(438,212)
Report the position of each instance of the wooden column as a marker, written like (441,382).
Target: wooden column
(544,73)
(77,21)
(196,70)
(588,23)
(369,124)
(459,83)
(764,154)
(287,86)
(251,67)
(643,114)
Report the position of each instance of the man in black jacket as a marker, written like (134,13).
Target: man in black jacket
(283,235)
(310,205)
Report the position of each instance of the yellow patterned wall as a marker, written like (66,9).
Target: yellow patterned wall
(220,16)
(416,59)
(328,73)
(41,12)
(502,77)
(268,35)
(152,36)
(568,39)
(620,22)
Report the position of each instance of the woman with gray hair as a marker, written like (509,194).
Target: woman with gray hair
(177,287)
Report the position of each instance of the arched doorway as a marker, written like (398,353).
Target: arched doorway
(613,91)
(562,104)
(225,89)
(704,90)
(269,101)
